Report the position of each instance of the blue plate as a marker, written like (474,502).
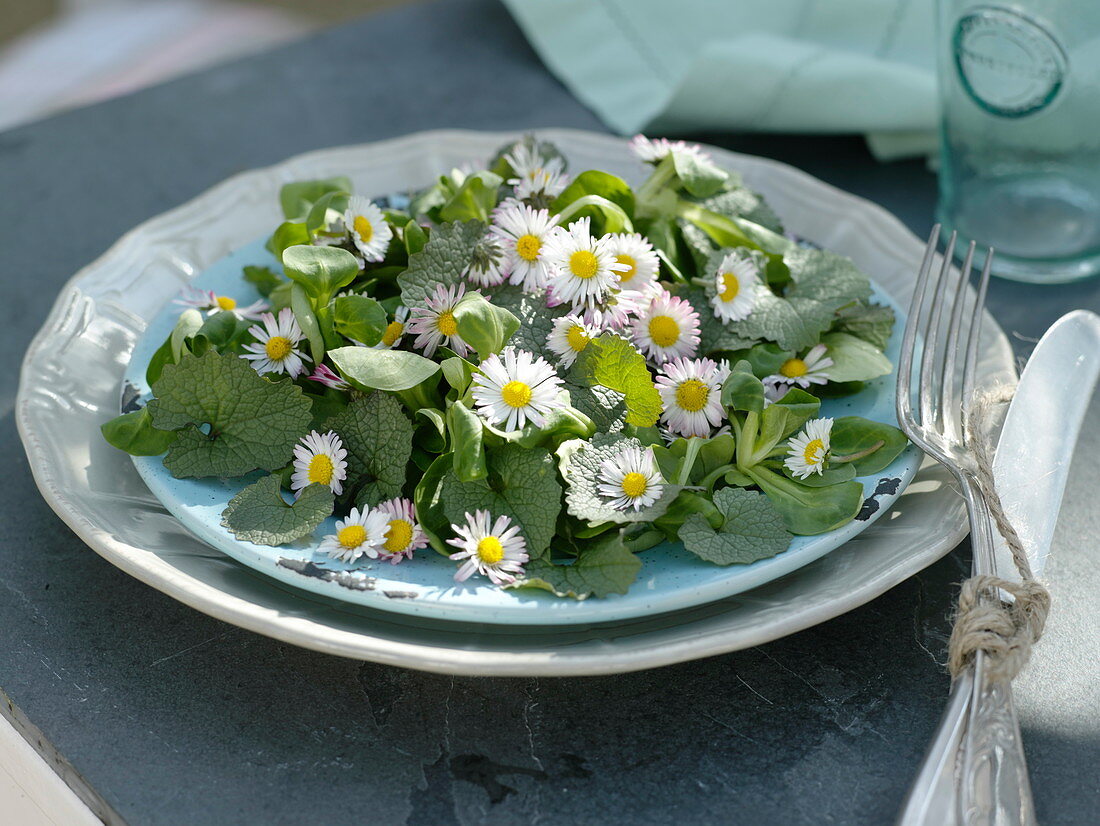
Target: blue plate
(671,579)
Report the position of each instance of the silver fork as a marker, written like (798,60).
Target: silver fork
(974,772)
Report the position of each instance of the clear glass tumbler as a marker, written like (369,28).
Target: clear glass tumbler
(1020,133)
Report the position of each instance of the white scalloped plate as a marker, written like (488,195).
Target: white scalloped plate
(72,371)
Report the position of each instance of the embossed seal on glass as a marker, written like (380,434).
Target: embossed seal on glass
(1008,63)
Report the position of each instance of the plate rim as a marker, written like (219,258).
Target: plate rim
(315,634)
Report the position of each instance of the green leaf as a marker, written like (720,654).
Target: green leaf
(700,176)
(595,182)
(222,329)
(604,566)
(264,279)
(536,320)
(752,530)
(475,198)
(522,484)
(359,318)
(415,237)
(580,465)
(743,390)
(449,250)
(327,211)
(392,370)
(322,271)
(785,417)
(605,407)
(741,202)
(484,326)
(378,437)
(465,429)
(189,323)
(260,514)
(807,511)
(793,323)
(297,198)
(428,500)
(302,307)
(853,434)
(853,358)
(616,364)
(873,323)
(161,357)
(134,433)
(826,277)
(254,423)
(458,372)
(287,235)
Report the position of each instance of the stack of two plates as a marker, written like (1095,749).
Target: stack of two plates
(114,313)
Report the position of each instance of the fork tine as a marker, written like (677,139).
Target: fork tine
(904,395)
(930,354)
(974,337)
(948,385)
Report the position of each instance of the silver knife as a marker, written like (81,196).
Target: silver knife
(966,766)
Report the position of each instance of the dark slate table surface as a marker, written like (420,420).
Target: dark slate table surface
(163,715)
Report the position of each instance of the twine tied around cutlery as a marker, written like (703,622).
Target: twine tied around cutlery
(984,622)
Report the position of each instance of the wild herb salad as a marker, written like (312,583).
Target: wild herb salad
(537,375)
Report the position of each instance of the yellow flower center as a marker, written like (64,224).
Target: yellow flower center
(398,536)
(814,454)
(363,228)
(664,330)
(528,247)
(692,395)
(352,536)
(583,264)
(446,324)
(226,303)
(320,469)
(634,484)
(516,394)
(731,286)
(793,368)
(577,338)
(490,551)
(393,332)
(278,348)
(630,273)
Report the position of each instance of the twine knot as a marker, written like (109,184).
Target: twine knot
(1004,631)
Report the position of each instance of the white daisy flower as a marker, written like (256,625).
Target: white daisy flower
(276,347)
(321,459)
(515,387)
(435,324)
(735,287)
(802,372)
(325,375)
(584,269)
(404,534)
(367,225)
(691,390)
(667,328)
(484,269)
(535,178)
(634,251)
(213,303)
(522,233)
(497,551)
(395,330)
(568,337)
(655,151)
(360,534)
(809,449)
(631,479)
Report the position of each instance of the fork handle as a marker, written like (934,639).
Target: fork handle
(992,776)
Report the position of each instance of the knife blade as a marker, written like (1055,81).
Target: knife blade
(1039,434)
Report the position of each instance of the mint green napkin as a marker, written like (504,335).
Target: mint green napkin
(863,66)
